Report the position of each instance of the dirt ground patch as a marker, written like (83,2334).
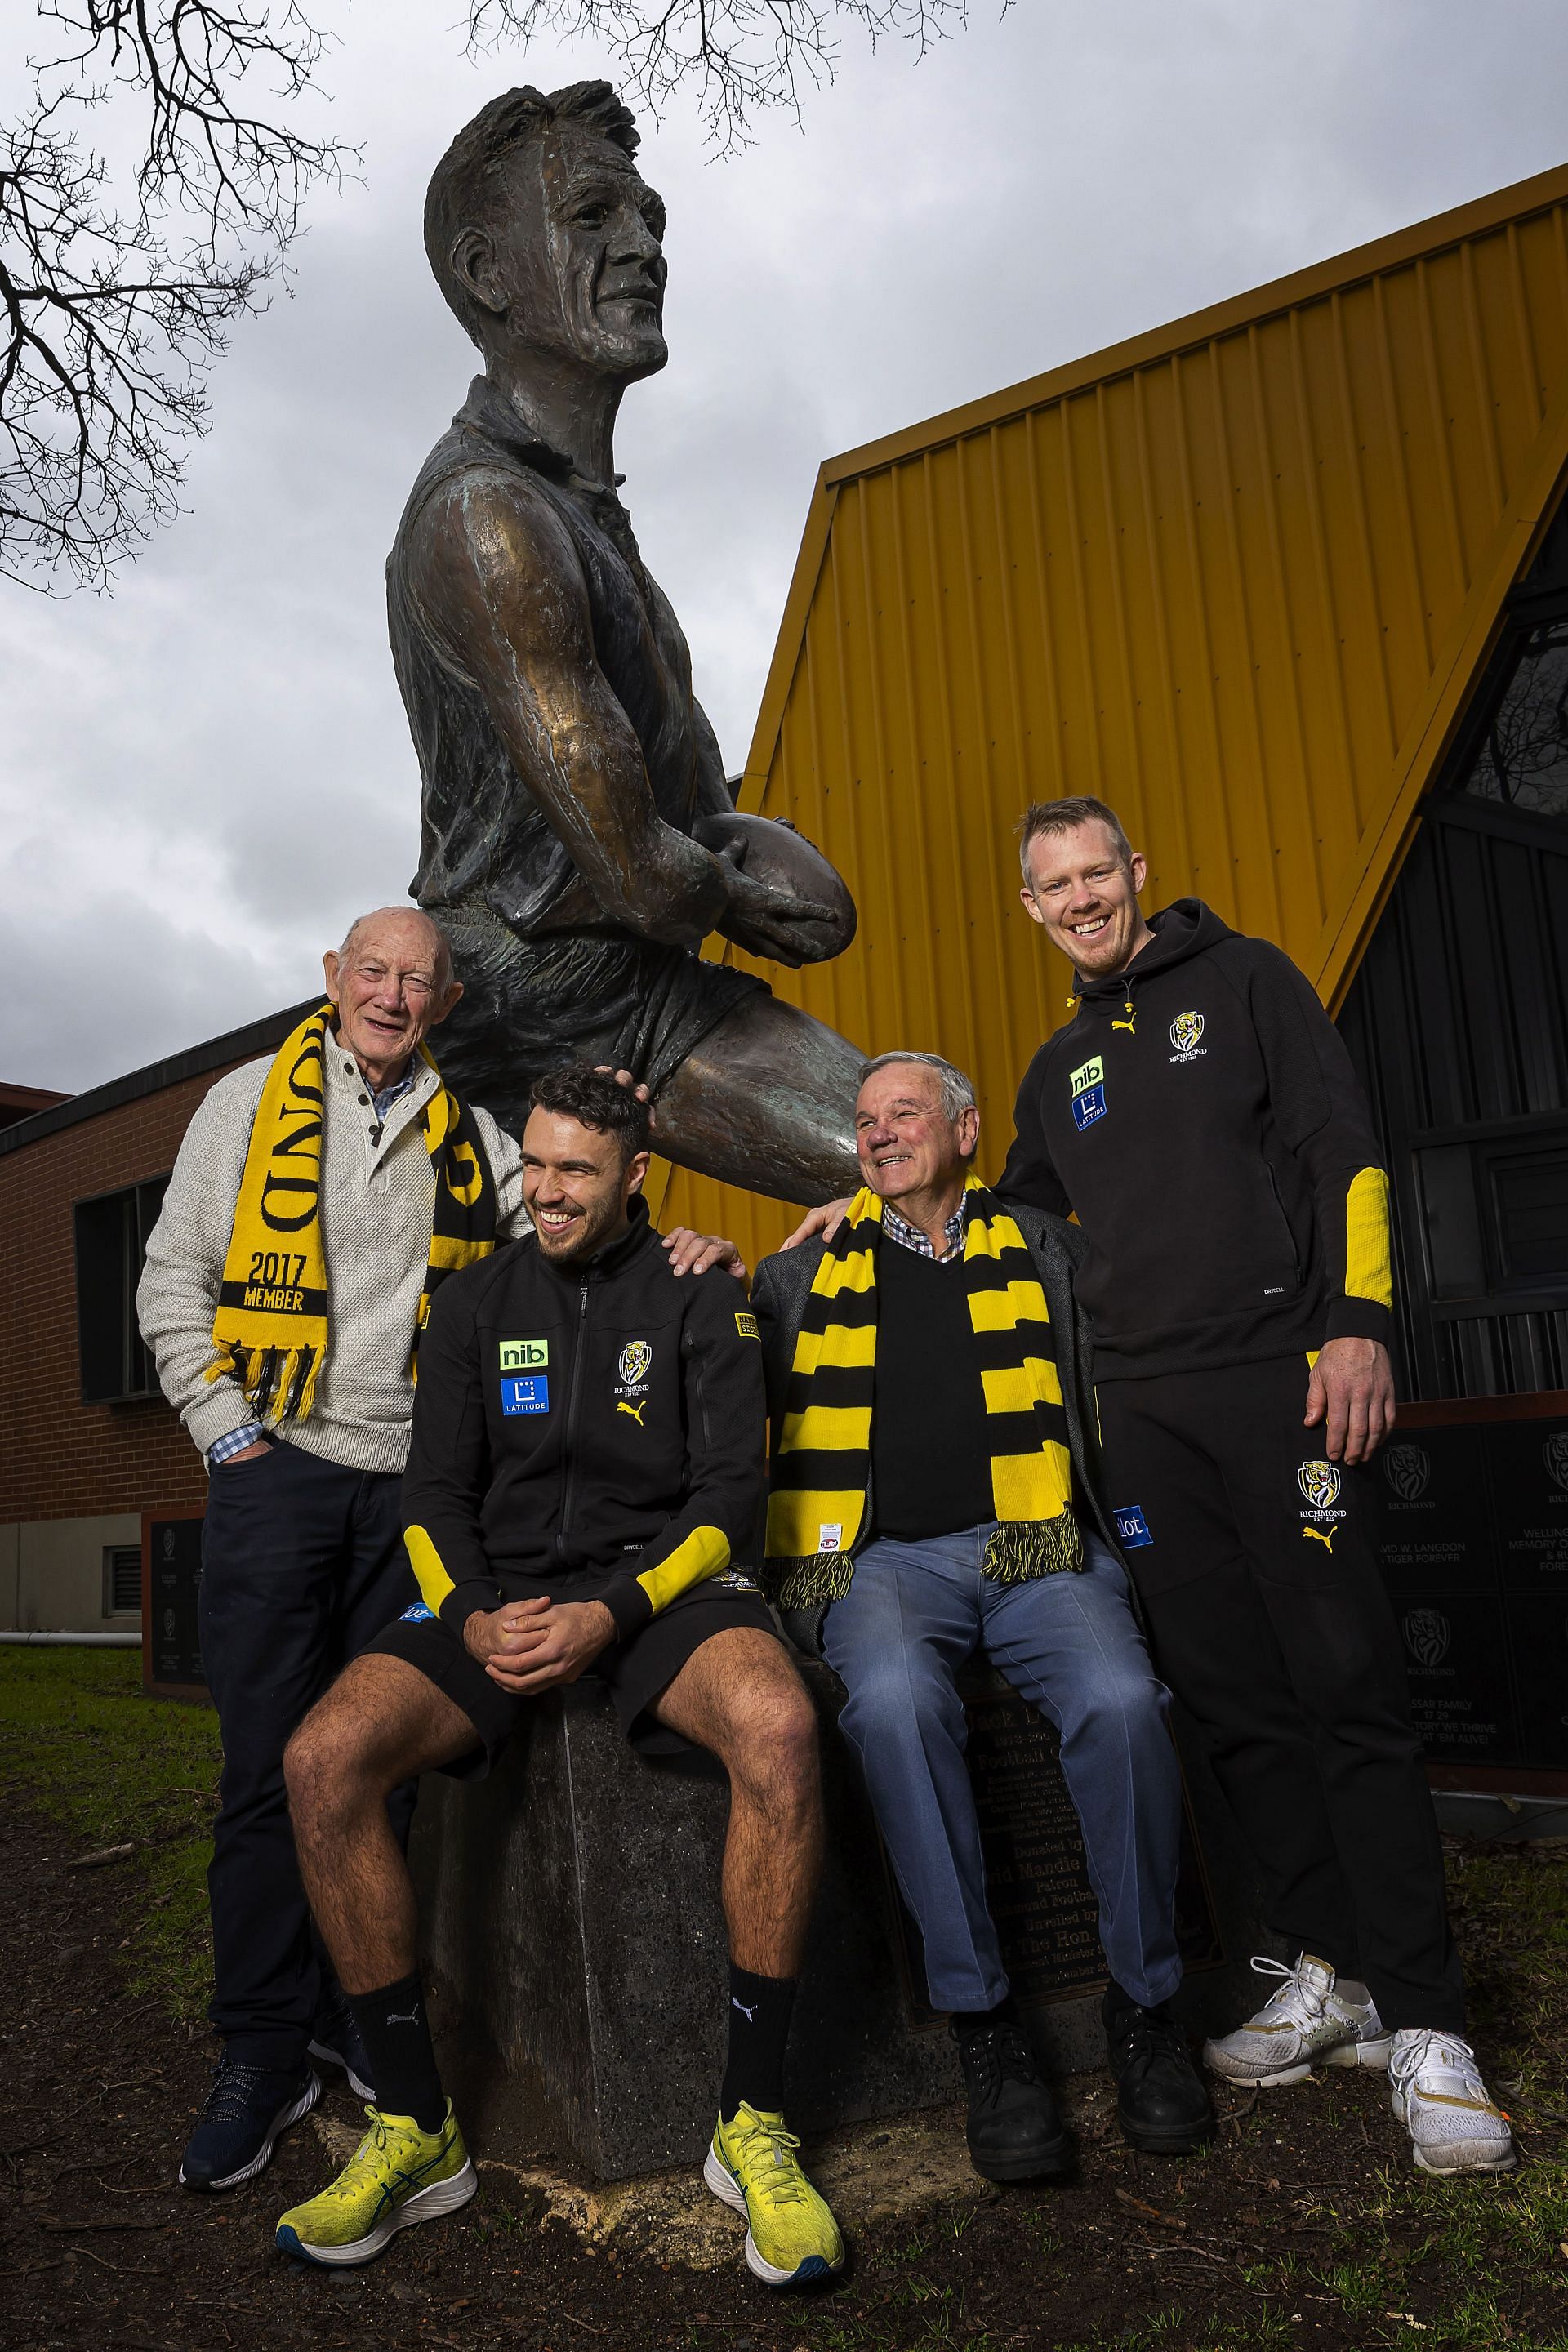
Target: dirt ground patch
(1305,2227)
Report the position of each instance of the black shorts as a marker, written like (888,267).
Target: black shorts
(636,1670)
(531,1004)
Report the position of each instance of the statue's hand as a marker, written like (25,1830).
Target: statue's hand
(768,922)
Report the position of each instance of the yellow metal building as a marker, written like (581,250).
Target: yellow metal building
(1243,576)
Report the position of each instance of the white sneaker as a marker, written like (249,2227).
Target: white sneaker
(1441,2100)
(1302,2024)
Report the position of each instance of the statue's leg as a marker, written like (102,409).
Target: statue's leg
(766,1099)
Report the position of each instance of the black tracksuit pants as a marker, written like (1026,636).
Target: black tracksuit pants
(302,1565)
(1268,1617)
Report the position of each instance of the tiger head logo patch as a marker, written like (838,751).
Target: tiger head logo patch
(635,1357)
(1554,1453)
(1185,1031)
(1319,1483)
(1407,1469)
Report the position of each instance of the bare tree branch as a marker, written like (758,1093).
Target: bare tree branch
(111,317)
(738,56)
(112,313)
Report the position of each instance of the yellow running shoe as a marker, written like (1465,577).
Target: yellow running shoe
(791,2236)
(399,2175)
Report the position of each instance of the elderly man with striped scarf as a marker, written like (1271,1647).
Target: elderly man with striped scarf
(935,1494)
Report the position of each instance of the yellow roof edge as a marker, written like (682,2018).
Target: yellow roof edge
(787,644)
(1322,278)
(1455,676)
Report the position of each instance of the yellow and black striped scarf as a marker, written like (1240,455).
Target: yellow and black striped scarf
(817,1507)
(273,1321)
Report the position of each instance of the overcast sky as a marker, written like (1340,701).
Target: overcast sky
(202,777)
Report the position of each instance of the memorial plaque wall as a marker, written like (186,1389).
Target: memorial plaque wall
(1036,1879)
(171,1553)
(1474,1546)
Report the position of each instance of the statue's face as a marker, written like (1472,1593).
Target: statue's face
(580,256)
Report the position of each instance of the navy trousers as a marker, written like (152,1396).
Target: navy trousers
(912,1615)
(302,1564)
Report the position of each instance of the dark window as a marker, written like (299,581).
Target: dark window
(1458,1022)
(111,1247)
(1522,757)
(122,1580)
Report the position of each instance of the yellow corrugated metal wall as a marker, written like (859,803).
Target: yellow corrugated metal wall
(1234,578)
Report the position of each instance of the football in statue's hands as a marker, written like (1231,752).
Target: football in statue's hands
(775,854)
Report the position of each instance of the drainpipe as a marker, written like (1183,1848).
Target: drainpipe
(74,1641)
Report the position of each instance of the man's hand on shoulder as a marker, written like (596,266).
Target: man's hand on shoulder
(530,1647)
(690,1253)
(1351,1391)
(824,1220)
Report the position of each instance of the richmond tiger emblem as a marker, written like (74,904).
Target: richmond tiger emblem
(1185,1031)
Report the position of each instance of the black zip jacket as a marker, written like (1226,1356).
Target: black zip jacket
(1201,1118)
(603,1426)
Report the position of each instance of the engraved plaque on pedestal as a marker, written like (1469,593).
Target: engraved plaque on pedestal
(1473,1539)
(1462,1692)
(171,1655)
(1529,1466)
(1434,1527)
(1036,1879)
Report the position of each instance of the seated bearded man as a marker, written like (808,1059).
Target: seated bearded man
(561,1528)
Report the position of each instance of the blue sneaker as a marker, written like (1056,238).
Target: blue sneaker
(246,2109)
(335,2040)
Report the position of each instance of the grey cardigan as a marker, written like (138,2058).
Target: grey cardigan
(783,1284)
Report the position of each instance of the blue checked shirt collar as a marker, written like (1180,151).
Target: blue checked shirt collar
(897,1229)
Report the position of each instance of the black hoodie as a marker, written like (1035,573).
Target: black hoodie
(601,1426)
(1201,1118)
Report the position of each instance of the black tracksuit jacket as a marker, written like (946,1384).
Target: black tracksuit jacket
(602,1427)
(1201,1118)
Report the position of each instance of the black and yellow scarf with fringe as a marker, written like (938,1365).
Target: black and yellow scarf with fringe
(273,1323)
(816,1511)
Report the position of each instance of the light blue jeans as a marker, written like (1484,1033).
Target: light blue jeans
(1069,1644)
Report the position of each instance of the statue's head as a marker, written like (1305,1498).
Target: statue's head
(544,235)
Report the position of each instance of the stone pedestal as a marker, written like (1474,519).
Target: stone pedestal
(572,1931)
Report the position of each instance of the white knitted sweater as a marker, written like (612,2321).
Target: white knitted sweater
(377,1201)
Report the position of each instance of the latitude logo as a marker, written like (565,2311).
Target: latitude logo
(1426,1636)
(1185,1031)
(1554,1453)
(635,1357)
(1407,1469)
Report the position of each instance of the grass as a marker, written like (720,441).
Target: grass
(80,1740)
(1398,2260)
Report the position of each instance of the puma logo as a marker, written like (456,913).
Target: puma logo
(749,2014)
(1125,1025)
(395,2017)
(637,1410)
(1319,1537)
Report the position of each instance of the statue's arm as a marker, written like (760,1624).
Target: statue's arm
(501,587)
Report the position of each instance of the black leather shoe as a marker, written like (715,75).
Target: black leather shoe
(1161,2101)
(335,2039)
(1013,2129)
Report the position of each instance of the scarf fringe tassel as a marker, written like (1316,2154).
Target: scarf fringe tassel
(279,1383)
(1017,1551)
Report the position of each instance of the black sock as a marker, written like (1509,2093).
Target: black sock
(965,2021)
(759,2027)
(397,2036)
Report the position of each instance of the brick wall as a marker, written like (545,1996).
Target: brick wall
(60,1458)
